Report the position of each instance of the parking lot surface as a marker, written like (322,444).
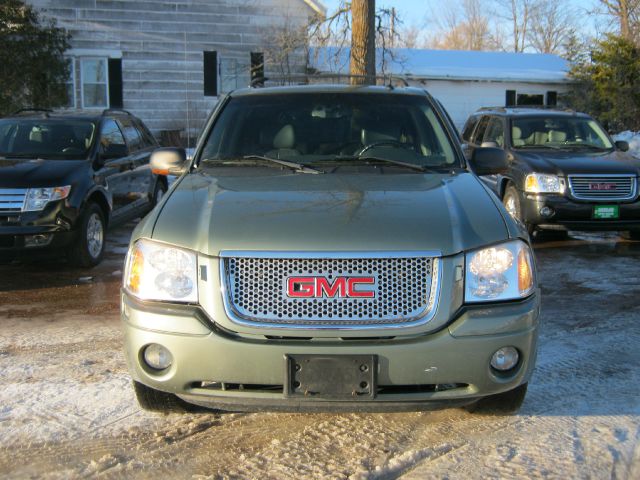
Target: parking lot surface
(67,408)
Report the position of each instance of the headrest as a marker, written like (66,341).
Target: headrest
(557,136)
(379,134)
(285,137)
(516,133)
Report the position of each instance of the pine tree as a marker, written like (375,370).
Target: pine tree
(33,70)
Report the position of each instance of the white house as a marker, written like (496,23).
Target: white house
(467,80)
(167,60)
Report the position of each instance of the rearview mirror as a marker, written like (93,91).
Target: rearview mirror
(489,161)
(169,161)
(622,146)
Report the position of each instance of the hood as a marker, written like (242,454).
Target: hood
(332,212)
(565,163)
(39,173)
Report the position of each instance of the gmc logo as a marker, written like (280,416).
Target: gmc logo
(602,186)
(322,287)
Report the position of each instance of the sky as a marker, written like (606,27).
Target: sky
(416,11)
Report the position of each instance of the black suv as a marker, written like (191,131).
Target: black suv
(565,172)
(64,177)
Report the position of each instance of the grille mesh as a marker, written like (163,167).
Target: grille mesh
(603,187)
(257,290)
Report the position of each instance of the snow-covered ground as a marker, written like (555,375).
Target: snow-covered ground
(634,141)
(67,408)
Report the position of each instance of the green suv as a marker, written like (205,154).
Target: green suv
(328,248)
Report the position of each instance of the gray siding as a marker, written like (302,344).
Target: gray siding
(161,44)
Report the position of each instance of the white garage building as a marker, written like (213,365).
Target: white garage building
(467,80)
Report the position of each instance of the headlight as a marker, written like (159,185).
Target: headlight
(501,272)
(37,198)
(155,271)
(543,183)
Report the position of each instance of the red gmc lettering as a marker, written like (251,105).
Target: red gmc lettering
(321,287)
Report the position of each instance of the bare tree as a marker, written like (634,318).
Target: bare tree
(551,28)
(627,14)
(518,13)
(339,30)
(464,27)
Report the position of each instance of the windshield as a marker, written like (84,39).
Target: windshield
(558,132)
(314,129)
(46,138)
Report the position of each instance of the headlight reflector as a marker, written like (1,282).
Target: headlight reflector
(543,183)
(155,271)
(38,198)
(501,272)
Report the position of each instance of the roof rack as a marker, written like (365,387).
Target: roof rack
(46,111)
(532,107)
(107,111)
(306,78)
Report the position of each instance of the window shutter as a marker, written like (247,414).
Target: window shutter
(210,65)
(511,98)
(257,69)
(115,83)
(552,98)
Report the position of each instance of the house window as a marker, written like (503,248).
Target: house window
(234,73)
(94,80)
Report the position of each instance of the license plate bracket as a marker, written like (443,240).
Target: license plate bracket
(606,212)
(334,377)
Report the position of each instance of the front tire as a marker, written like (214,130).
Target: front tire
(501,404)
(88,249)
(511,202)
(157,401)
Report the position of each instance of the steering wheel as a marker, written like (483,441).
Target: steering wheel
(384,143)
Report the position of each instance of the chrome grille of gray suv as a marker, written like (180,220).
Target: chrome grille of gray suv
(256,292)
(603,187)
(12,199)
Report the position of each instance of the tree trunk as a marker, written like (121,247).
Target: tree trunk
(362,63)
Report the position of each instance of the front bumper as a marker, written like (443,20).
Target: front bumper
(570,214)
(26,232)
(421,372)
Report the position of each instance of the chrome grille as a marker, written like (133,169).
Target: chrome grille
(256,292)
(12,199)
(603,187)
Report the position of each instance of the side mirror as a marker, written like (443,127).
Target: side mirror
(489,161)
(114,150)
(622,146)
(169,161)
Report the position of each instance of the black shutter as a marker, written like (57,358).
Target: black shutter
(210,63)
(257,69)
(511,98)
(552,98)
(115,83)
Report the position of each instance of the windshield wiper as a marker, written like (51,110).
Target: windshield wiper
(398,163)
(299,167)
(585,145)
(553,147)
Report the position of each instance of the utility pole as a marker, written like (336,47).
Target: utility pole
(362,64)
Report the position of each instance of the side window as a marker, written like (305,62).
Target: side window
(131,135)
(495,132)
(468,128)
(148,140)
(482,127)
(110,134)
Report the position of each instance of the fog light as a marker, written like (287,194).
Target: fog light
(547,212)
(157,357)
(37,240)
(505,359)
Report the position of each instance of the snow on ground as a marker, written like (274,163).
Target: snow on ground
(634,141)
(67,409)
